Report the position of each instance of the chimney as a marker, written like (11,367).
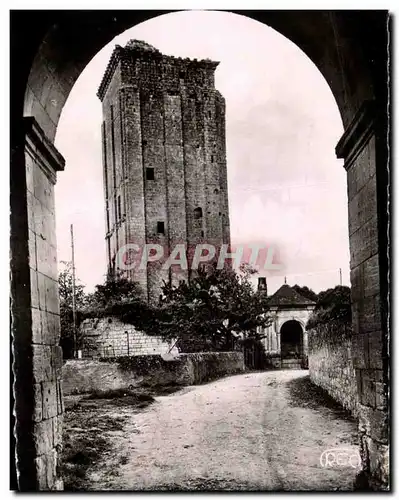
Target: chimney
(262,285)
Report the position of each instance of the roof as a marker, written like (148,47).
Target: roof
(287,296)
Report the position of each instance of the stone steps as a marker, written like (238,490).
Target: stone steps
(291,364)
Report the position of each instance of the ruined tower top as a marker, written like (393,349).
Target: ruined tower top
(140,45)
(138,61)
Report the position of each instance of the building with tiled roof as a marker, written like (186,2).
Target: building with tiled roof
(285,340)
(286,296)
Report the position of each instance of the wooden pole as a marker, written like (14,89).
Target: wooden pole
(75,353)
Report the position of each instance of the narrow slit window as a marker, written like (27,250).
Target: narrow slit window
(119,214)
(212,158)
(160,227)
(149,174)
(198,213)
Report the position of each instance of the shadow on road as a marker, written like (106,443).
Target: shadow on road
(305,394)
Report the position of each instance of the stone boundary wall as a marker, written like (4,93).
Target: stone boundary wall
(331,364)
(110,337)
(82,376)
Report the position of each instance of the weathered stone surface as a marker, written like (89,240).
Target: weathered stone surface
(82,376)
(57,431)
(163,114)
(110,337)
(375,349)
(60,397)
(42,364)
(36,325)
(38,402)
(374,423)
(46,465)
(331,363)
(43,436)
(376,455)
(49,394)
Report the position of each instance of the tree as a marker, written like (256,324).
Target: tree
(333,304)
(215,309)
(306,292)
(65,288)
(115,293)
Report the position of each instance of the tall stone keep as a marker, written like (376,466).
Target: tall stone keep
(164,158)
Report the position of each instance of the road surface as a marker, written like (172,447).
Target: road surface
(245,432)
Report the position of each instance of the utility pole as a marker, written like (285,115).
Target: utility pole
(73,294)
(340,276)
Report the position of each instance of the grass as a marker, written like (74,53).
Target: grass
(81,449)
(88,432)
(123,397)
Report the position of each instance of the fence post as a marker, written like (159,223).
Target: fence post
(128,349)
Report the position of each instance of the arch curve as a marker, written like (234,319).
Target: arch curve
(291,339)
(67,47)
(50,49)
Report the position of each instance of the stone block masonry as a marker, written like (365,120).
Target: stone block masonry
(164,159)
(363,147)
(85,376)
(110,337)
(331,364)
(37,355)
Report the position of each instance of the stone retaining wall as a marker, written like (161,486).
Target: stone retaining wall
(331,364)
(110,337)
(84,376)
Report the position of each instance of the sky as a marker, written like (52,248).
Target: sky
(286,187)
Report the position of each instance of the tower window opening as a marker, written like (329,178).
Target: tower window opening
(160,227)
(202,234)
(198,213)
(212,158)
(118,212)
(149,174)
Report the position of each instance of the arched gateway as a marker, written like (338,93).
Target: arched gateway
(291,340)
(285,340)
(49,50)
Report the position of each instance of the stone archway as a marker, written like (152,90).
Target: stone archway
(291,340)
(49,50)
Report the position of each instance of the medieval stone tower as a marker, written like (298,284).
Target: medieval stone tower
(164,158)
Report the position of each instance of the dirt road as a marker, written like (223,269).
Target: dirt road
(257,431)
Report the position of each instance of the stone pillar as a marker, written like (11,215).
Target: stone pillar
(37,358)
(363,148)
(305,343)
